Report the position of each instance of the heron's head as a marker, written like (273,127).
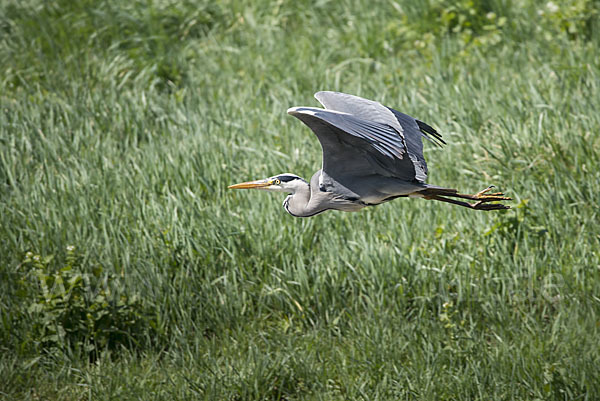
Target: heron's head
(278,183)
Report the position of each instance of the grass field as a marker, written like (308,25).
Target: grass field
(128,271)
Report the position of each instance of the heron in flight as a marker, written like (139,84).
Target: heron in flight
(371,155)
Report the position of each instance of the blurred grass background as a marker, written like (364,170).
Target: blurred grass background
(128,271)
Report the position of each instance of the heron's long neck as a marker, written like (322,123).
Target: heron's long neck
(299,203)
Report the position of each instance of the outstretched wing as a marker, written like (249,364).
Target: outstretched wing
(354,147)
(411,129)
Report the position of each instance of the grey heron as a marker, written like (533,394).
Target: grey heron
(371,155)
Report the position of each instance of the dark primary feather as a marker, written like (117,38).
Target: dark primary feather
(427,130)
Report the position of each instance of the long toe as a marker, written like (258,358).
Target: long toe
(490,198)
(484,196)
(480,193)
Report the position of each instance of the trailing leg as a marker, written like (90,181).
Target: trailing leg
(482,198)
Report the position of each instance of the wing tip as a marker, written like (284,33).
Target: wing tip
(297,110)
(312,111)
(321,96)
(430,133)
(321,93)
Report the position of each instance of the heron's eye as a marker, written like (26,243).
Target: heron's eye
(276,181)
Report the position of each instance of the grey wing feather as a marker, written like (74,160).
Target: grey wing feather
(354,147)
(412,135)
(359,107)
(409,128)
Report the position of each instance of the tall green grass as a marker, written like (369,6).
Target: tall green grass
(123,123)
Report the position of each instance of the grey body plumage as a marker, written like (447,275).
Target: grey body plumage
(371,154)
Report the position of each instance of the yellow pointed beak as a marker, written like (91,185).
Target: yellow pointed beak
(252,184)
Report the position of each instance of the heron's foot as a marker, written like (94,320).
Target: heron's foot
(484,196)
